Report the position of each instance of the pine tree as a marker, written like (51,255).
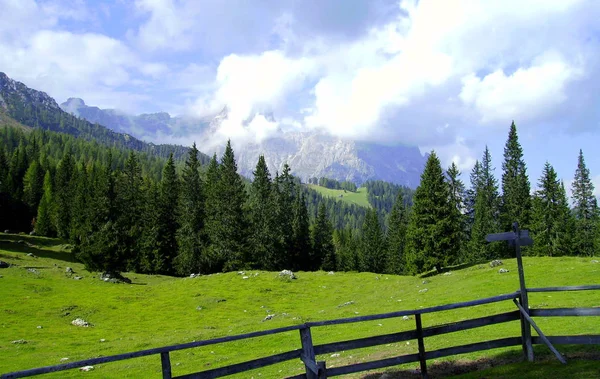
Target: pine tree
(429,236)
(79,211)
(191,236)
(64,193)
(471,196)
(373,245)
(486,212)
(300,254)
(551,218)
(149,258)
(323,252)
(130,200)
(262,218)
(585,208)
(33,181)
(44,225)
(285,215)
(516,199)
(212,222)
(458,222)
(167,212)
(231,233)
(396,237)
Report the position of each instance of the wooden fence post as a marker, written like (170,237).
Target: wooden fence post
(308,354)
(524,299)
(422,359)
(166,365)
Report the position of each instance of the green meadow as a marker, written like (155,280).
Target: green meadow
(40,300)
(359,197)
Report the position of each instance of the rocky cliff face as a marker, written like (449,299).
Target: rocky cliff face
(24,94)
(309,154)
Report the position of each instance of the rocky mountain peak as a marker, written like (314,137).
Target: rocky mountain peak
(10,87)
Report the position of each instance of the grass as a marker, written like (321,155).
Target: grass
(157,310)
(359,197)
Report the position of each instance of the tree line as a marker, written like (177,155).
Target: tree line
(124,210)
(333,184)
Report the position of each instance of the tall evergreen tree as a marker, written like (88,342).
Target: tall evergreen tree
(33,181)
(471,196)
(44,225)
(430,231)
(130,200)
(585,208)
(64,193)
(486,212)
(231,235)
(168,220)
(457,232)
(551,218)
(373,244)
(79,211)
(396,237)
(191,236)
(323,252)
(262,217)
(285,214)
(516,198)
(300,254)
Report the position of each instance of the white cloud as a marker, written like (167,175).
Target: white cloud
(524,95)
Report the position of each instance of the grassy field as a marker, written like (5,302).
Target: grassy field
(39,301)
(359,197)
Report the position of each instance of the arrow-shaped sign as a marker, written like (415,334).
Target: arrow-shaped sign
(525,240)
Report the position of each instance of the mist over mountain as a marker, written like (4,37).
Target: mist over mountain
(309,153)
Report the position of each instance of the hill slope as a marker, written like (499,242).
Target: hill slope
(157,311)
(359,197)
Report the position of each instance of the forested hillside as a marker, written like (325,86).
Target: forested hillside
(125,210)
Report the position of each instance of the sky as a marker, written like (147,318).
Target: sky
(445,75)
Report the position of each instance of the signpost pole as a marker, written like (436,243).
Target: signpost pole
(524,299)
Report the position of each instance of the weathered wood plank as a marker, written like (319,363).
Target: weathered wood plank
(539,331)
(493,344)
(143,353)
(308,354)
(244,366)
(322,374)
(365,342)
(559,312)
(571,340)
(567,288)
(358,367)
(422,359)
(446,307)
(166,365)
(472,323)
(523,298)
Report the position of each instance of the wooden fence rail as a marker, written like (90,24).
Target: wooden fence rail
(308,351)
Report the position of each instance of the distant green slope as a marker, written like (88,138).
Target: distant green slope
(359,197)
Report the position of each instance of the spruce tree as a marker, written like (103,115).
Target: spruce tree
(516,199)
(64,193)
(33,181)
(471,196)
(430,242)
(285,215)
(373,244)
(149,259)
(212,222)
(551,218)
(457,232)
(80,211)
(168,223)
(396,237)
(301,246)
(191,236)
(262,218)
(486,212)
(585,208)
(231,232)
(323,252)
(44,225)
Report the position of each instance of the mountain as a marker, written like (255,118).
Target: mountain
(36,109)
(309,154)
(147,126)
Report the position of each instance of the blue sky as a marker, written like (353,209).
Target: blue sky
(448,75)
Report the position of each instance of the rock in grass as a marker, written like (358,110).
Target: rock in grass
(19,342)
(345,304)
(594,261)
(64,359)
(269,317)
(423,290)
(502,271)
(86,368)
(4,264)
(496,263)
(69,270)
(287,274)
(80,322)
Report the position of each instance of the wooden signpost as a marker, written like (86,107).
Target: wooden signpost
(519,238)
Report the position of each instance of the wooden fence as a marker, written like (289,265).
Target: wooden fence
(314,369)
